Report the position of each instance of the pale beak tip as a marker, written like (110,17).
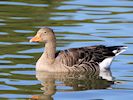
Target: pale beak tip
(30,40)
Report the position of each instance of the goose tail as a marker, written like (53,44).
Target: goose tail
(117,49)
(105,64)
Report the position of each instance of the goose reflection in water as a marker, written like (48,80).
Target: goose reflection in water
(67,82)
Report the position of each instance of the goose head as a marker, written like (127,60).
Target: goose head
(44,35)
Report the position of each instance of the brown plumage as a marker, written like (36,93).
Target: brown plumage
(74,56)
(91,58)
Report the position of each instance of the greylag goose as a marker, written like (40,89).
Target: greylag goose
(91,58)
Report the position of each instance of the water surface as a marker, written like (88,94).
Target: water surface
(76,23)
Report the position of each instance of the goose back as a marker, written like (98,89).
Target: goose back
(85,57)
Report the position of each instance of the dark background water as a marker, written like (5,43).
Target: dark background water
(76,23)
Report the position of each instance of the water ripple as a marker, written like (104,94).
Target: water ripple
(21,4)
(77,23)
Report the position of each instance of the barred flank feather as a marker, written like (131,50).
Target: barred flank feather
(93,58)
(87,58)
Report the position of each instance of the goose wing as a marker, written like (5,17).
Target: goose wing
(77,56)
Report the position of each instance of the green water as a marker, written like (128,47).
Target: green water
(76,23)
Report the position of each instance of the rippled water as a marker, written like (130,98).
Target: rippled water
(76,23)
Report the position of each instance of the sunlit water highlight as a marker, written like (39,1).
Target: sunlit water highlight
(77,23)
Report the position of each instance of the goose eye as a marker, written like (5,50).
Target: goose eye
(45,32)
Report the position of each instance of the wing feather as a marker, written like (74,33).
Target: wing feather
(76,56)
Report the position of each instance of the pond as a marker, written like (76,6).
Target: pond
(76,23)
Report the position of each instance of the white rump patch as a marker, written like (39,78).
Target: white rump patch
(106,74)
(106,63)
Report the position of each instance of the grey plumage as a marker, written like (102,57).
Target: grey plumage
(86,58)
(91,58)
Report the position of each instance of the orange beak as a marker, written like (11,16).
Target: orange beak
(36,39)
